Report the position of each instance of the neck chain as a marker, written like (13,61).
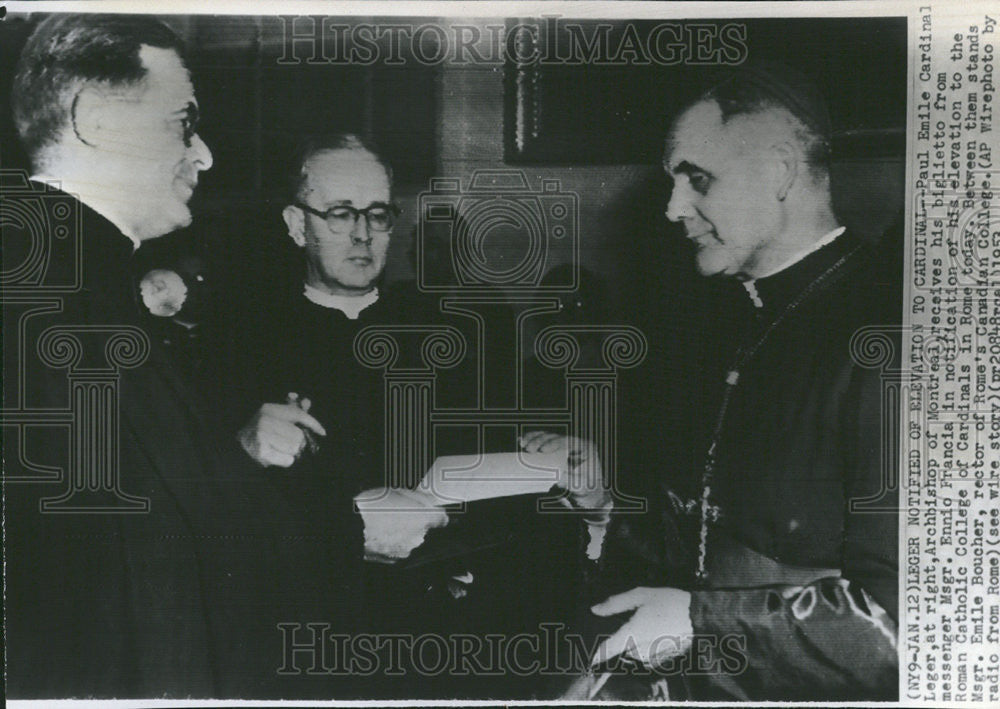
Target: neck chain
(710,513)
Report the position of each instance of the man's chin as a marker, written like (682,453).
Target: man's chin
(352,286)
(361,279)
(709,264)
(170,221)
(182,223)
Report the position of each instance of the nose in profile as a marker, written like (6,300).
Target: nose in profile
(201,156)
(680,206)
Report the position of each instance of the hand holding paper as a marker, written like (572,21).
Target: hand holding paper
(659,629)
(396,522)
(582,475)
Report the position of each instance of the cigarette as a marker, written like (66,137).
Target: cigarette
(311,443)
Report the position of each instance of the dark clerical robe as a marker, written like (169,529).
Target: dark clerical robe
(185,598)
(797,598)
(311,351)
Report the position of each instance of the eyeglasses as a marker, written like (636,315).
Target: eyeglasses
(341,219)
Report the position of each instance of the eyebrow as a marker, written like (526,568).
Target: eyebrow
(350,203)
(687,168)
(190,111)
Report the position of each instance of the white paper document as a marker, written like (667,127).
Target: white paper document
(467,478)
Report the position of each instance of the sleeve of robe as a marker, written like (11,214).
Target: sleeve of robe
(836,636)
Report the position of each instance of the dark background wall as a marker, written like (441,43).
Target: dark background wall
(449,120)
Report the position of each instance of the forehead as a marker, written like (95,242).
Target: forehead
(700,138)
(347,176)
(167,80)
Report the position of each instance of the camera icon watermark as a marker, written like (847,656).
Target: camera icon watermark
(41,237)
(48,349)
(495,252)
(500,234)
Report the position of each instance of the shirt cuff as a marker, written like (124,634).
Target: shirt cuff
(597,529)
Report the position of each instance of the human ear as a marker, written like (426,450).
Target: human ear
(88,116)
(295,221)
(787,164)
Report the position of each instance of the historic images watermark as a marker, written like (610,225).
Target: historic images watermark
(43,264)
(549,40)
(466,214)
(316,649)
(456,218)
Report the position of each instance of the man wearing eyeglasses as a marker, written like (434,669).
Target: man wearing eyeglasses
(179,592)
(346,238)
(325,418)
(341,216)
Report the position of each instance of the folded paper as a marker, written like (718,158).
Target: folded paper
(467,478)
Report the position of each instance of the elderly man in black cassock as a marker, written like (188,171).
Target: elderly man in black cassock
(764,564)
(326,418)
(340,215)
(183,597)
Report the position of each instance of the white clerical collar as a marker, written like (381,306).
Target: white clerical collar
(349,305)
(827,238)
(799,255)
(81,195)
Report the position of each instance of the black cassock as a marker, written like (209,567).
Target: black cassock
(802,587)
(518,583)
(184,600)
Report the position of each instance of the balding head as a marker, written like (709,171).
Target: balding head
(750,178)
(342,214)
(348,146)
(783,96)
